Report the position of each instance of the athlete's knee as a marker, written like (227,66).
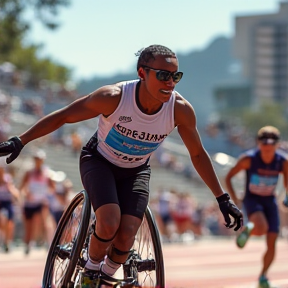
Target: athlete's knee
(106,230)
(127,231)
(260,229)
(107,226)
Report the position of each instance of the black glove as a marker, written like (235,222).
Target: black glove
(285,201)
(13,146)
(228,209)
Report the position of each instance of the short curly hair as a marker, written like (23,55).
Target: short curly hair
(146,54)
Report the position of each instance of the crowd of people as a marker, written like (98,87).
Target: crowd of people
(181,218)
(135,117)
(38,202)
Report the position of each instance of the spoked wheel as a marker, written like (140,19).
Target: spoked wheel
(67,244)
(145,263)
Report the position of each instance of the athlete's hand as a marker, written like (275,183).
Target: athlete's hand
(229,209)
(13,146)
(285,201)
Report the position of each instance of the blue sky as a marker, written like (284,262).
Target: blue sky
(101,37)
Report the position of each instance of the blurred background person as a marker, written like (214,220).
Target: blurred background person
(35,187)
(163,207)
(76,142)
(263,165)
(61,197)
(9,194)
(182,212)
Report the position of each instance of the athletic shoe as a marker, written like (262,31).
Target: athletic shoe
(244,235)
(89,279)
(97,279)
(27,249)
(263,282)
(5,248)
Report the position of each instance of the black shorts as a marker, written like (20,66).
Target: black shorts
(29,212)
(107,183)
(266,204)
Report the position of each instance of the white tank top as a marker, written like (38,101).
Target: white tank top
(128,137)
(5,194)
(38,187)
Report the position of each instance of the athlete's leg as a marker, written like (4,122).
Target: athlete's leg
(257,226)
(260,223)
(105,230)
(273,223)
(133,194)
(99,181)
(28,228)
(9,234)
(124,238)
(270,252)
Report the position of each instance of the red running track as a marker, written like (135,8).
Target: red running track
(206,263)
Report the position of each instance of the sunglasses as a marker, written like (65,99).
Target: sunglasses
(163,75)
(268,138)
(266,135)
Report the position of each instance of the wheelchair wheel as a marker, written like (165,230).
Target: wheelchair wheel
(67,244)
(145,263)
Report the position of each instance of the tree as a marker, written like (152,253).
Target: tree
(13,29)
(269,113)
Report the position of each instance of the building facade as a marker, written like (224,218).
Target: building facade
(261,44)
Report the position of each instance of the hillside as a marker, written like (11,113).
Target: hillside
(203,69)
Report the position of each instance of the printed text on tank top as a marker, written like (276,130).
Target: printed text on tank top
(128,136)
(262,178)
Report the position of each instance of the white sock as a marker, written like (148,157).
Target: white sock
(92,265)
(109,267)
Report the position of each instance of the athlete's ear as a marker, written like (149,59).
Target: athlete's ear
(141,73)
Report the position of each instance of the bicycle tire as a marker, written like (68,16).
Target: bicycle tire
(67,243)
(146,264)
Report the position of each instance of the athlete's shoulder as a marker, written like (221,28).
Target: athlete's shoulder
(184,113)
(182,103)
(282,153)
(122,84)
(248,153)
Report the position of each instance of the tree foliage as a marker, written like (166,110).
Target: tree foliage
(13,29)
(269,113)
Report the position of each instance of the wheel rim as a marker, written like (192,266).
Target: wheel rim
(145,252)
(62,253)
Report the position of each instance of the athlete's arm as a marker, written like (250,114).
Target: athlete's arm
(242,164)
(185,120)
(102,101)
(285,182)
(23,188)
(13,190)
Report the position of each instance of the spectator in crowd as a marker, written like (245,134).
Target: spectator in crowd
(182,212)
(60,199)
(8,195)
(35,188)
(76,142)
(163,206)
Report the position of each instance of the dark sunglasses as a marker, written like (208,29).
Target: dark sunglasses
(266,135)
(163,75)
(268,138)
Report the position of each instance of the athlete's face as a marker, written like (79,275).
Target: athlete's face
(160,77)
(38,162)
(267,149)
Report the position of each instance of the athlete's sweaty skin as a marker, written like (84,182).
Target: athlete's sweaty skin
(114,229)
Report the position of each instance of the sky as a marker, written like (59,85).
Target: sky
(100,38)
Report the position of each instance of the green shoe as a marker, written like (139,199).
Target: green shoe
(244,235)
(89,279)
(263,282)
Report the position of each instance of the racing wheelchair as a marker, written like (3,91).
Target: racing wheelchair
(68,252)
